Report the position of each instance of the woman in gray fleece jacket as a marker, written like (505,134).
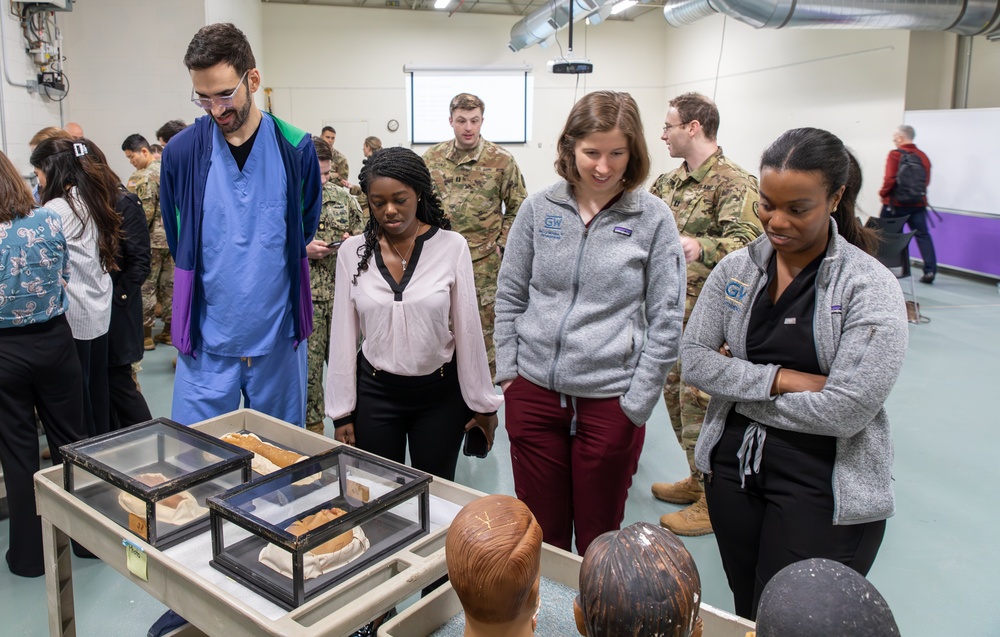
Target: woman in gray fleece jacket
(799,337)
(589,303)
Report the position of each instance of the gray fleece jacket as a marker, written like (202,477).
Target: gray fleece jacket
(591,312)
(860,332)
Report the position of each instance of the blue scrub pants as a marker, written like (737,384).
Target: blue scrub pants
(210,385)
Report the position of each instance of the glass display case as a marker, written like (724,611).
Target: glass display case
(153,478)
(312,525)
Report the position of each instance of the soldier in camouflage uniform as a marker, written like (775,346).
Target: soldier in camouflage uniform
(714,202)
(340,217)
(481,189)
(159,285)
(339,162)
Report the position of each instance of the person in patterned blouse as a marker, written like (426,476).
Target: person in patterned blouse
(39,368)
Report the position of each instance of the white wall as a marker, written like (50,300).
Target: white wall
(984,90)
(930,73)
(852,83)
(23,113)
(125,60)
(344,66)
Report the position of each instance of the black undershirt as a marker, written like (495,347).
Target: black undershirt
(242,152)
(781,333)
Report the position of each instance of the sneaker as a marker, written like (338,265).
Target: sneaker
(927,278)
(689,522)
(687,491)
(167,623)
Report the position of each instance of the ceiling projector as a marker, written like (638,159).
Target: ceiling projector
(574,67)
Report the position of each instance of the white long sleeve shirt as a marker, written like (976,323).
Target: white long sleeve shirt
(410,328)
(89,288)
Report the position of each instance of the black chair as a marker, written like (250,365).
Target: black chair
(894,253)
(888,225)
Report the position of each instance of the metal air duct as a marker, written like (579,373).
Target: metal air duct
(542,23)
(965,17)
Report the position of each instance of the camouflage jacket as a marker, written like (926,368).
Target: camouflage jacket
(340,213)
(339,165)
(717,205)
(480,190)
(145,184)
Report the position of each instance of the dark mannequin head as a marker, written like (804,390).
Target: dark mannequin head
(820,597)
(638,581)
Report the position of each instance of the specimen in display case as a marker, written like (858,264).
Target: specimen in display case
(312,525)
(153,478)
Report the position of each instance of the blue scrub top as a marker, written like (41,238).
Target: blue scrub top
(246,307)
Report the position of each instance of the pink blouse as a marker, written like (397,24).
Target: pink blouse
(410,328)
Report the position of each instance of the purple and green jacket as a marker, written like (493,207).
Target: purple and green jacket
(186,162)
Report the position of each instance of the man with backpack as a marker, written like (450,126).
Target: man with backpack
(904,193)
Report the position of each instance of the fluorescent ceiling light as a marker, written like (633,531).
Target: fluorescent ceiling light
(441,4)
(621,6)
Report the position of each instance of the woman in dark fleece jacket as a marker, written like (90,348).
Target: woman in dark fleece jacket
(589,305)
(799,338)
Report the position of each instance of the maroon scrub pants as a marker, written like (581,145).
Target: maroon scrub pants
(573,481)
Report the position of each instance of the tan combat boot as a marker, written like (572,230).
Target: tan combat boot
(164,336)
(689,522)
(686,491)
(147,339)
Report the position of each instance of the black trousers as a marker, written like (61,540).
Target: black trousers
(428,412)
(39,369)
(93,355)
(783,515)
(128,406)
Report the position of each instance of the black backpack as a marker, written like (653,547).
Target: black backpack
(911,180)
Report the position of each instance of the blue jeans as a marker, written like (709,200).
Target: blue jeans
(918,223)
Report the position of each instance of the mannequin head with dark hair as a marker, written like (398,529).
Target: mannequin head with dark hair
(818,597)
(638,581)
(494,549)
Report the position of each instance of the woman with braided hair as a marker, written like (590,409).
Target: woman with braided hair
(405,287)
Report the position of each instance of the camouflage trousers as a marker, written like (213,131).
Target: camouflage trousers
(159,286)
(686,405)
(319,352)
(485,272)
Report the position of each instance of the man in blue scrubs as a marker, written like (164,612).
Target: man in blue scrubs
(240,194)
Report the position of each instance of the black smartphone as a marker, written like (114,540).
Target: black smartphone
(475,443)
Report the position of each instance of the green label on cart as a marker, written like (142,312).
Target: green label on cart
(135,559)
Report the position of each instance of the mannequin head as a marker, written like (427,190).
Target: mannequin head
(817,597)
(494,551)
(638,581)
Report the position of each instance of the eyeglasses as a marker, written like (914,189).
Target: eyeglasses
(668,127)
(225,101)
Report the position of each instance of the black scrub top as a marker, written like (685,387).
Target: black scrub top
(781,333)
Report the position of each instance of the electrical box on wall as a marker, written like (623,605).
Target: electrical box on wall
(48,5)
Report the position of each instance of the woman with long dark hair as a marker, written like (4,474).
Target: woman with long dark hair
(83,190)
(590,300)
(798,338)
(405,287)
(38,368)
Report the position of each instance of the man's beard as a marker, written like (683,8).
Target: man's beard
(239,117)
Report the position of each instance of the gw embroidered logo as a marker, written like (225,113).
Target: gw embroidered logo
(552,227)
(736,292)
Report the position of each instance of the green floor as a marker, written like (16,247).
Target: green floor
(935,567)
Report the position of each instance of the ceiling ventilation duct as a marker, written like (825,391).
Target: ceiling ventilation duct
(542,23)
(965,17)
